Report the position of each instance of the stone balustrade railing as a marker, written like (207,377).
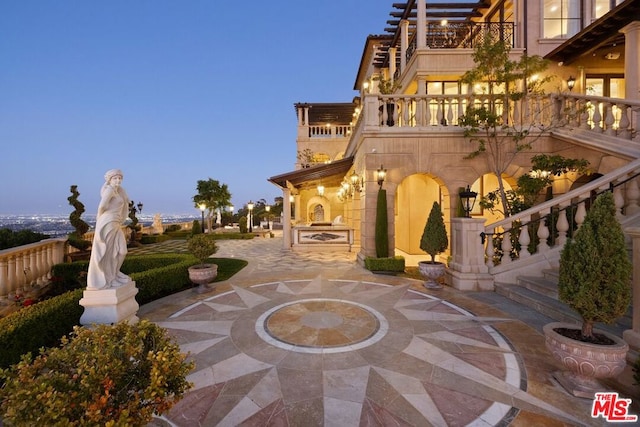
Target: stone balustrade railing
(24,267)
(548,225)
(600,115)
(27,266)
(329,131)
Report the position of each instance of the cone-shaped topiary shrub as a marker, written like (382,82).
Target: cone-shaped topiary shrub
(434,237)
(382,227)
(110,375)
(595,269)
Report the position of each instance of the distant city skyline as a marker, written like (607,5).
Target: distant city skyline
(169,92)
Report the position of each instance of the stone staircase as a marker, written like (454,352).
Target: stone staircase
(540,293)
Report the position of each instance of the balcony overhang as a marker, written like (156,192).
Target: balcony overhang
(329,174)
(602,33)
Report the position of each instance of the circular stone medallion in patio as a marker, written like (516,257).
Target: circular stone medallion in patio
(321,325)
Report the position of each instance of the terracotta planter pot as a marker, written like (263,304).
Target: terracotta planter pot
(585,362)
(431,272)
(203,275)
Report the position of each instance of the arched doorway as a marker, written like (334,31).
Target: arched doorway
(414,198)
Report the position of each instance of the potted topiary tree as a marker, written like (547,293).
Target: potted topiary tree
(595,281)
(76,238)
(202,246)
(434,241)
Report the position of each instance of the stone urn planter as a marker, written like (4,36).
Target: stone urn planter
(585,362)
(203,275)
(431,271)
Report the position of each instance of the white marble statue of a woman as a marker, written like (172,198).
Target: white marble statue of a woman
(109,242)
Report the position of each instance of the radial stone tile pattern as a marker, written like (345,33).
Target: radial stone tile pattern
(346,353)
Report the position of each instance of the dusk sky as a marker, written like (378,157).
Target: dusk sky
(170,92)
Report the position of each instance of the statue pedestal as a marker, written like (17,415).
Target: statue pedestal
(109,306)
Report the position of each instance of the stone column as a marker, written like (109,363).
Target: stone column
(467,270)
(632,60)
(404,43)
(421,26)
(632,336)
(286,225)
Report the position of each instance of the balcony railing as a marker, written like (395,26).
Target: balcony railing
(598,115)
(334,131)
(463,35)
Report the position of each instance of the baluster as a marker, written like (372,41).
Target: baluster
(562,225)
(597,117)
(584,115)
(538,111)
(383,108)
(524,239)
(22,262)
(543,235)
(506,247)
(12,280)
(427,119)
(30,269)
(406,110)
(517,120)
(396,113)
(4,281)
(41,268)
(450,112)
(490,250)
(609,120)
(440,113)
(624,129)
(618,198)
(460,109)
(419,112)
(633,195)
(581,213)
(636,111)
(50,262)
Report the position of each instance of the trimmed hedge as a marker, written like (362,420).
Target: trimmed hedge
(154,238)
(39,325)
(391,264)
(42,324)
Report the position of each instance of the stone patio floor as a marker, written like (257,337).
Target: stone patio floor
(308,339)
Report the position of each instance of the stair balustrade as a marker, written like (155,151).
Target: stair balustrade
(548,225)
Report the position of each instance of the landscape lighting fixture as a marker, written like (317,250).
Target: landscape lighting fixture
(571,82)
(468,200)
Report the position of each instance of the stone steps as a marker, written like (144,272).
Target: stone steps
(540,293)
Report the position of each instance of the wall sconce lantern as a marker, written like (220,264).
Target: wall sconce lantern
(468,200)
(571,82)
(320,190)
(356,181)
(381,174)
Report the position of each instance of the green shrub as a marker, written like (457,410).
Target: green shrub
(76,239)
(202,246)
(595,269)
(173,228)
(196,228)
(109,375)
(42,324)
(382,227)
(12,239)
(39,325)
(434,236)
(154,238)
(392,264)
(242,224)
